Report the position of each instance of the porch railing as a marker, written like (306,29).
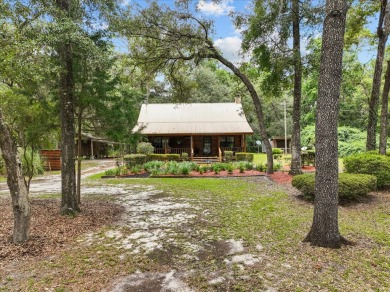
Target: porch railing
(234,149)
(172,151)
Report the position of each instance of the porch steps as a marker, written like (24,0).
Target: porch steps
(206,160)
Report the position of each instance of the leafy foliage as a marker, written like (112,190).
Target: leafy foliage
(134,159)
(370,163)
(145,148)
(350,140)
(350,185)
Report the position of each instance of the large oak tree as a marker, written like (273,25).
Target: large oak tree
(325,230)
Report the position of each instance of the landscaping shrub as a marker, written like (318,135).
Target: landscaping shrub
(31,159)
(184,156)
(228,156)
(260,167)
(370,163)
(173,157)
(241,167)
(172,167)
(277,166)
(152,165)
(277,153)
(134,159)
(243,156)
(230,168)
(240,156)
(216,168)
(350,185)
(110,172)
(159,157)
(145,148)
(184,168)
(136,169)
(249,165)
(249,157)
(221,166)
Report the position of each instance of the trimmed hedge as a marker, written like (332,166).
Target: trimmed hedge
(243,156)
(370,163)
(350,185)
(228,156)
(134,159)
(158,157)
(173,157)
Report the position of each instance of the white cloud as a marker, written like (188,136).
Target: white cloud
(230,47)
(212,7)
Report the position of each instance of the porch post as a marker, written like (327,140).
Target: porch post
(243,144)
(219,148)
(92,149)
(192,148)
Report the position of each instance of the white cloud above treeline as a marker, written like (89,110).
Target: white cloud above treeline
(215,8)
(230,48)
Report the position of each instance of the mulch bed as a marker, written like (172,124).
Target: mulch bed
(50,231)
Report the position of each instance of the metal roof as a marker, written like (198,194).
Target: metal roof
(192,118)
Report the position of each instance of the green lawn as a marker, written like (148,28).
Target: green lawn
(271,225)
(262,213)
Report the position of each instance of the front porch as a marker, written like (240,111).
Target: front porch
(198,147)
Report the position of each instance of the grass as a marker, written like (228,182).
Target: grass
(258,213)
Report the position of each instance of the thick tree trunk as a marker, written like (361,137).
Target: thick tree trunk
(69,203)
(296,167)
(384,112)
(258,108)
(324,230)
(376,82)
(16,184)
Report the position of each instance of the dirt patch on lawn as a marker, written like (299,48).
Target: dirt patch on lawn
(50,231)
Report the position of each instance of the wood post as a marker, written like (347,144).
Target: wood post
(192,148)
(92,149)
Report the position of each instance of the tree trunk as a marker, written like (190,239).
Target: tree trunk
(69,203)
(324,230)
(258,108)
(16,184)
(376,83)
(384,112)
(78,189)
(296,167)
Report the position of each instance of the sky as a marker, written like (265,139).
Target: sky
(226,37)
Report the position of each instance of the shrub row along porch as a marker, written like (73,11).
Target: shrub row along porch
(202,130)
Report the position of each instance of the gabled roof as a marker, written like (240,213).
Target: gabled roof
(192,118)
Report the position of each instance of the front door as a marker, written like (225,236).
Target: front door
(206,145)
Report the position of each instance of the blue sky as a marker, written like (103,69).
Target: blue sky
(226,36)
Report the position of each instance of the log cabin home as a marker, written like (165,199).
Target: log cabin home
(203,130)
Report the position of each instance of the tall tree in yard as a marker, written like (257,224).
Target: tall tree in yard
(382,33)
(16,184)
(296,131)
(69,202)
(384,112)
(324,230)
(268,36)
